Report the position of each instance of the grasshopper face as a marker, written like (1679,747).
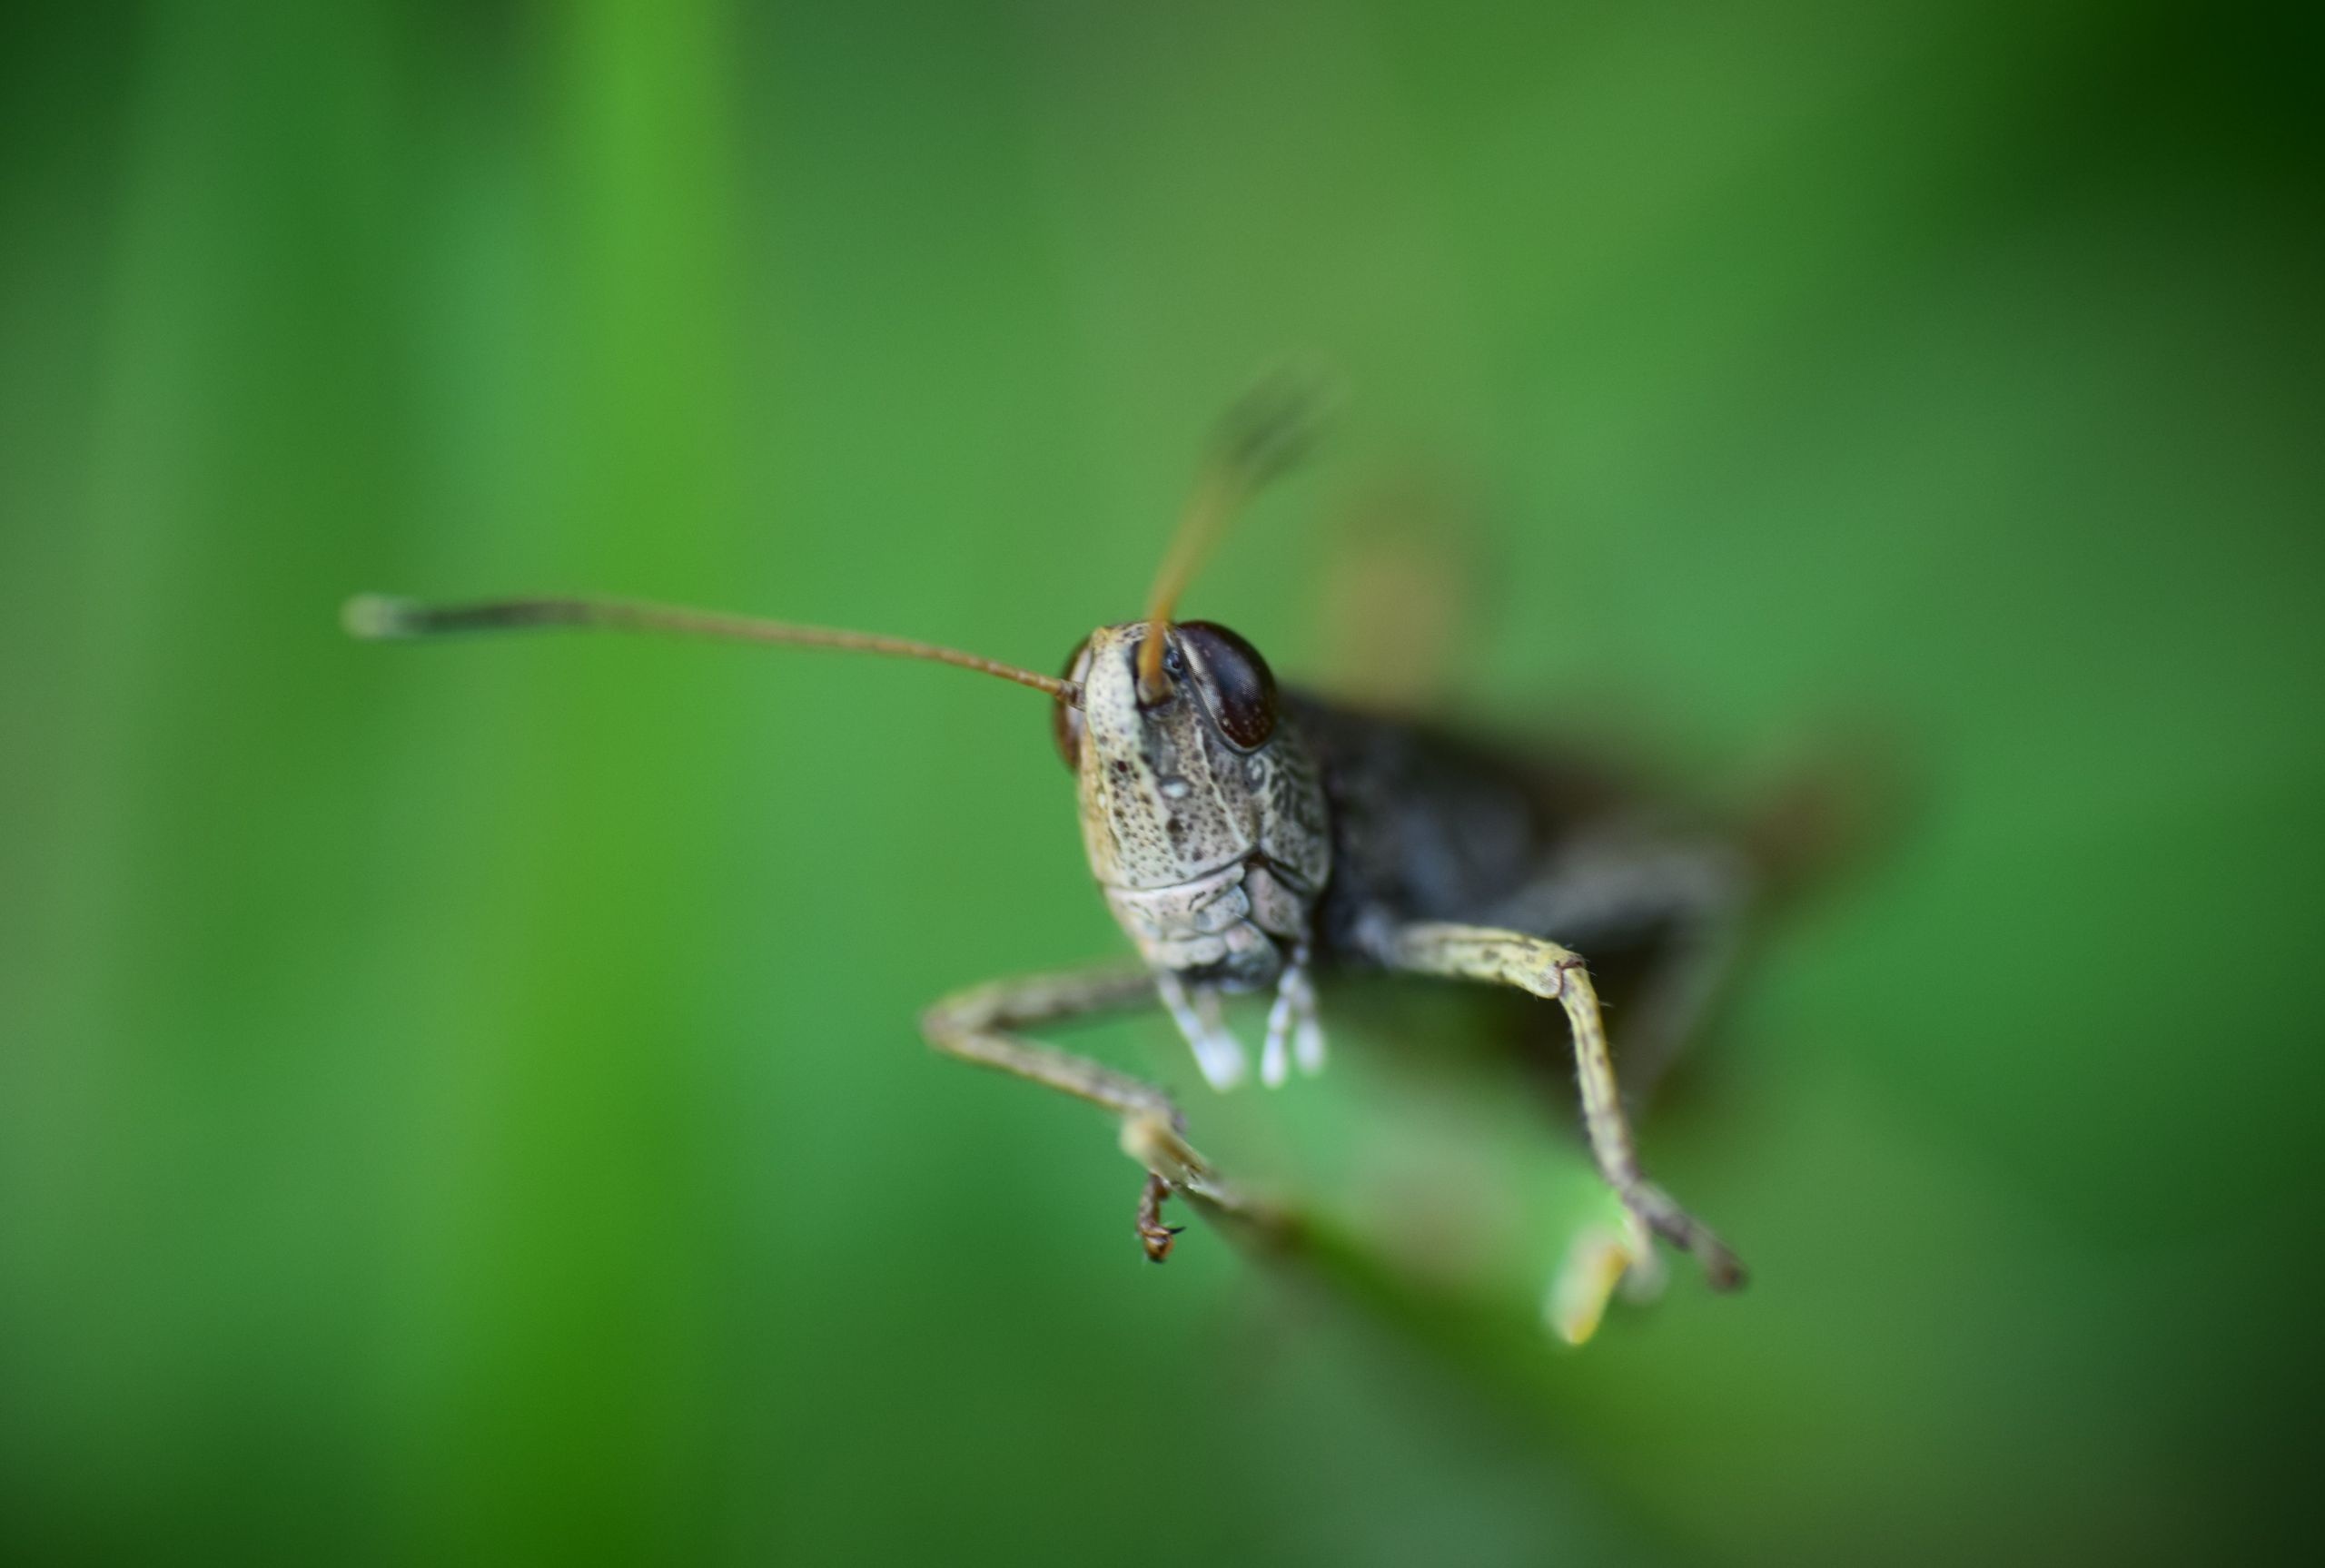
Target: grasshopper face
(1202,811)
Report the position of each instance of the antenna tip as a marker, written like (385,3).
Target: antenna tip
(1276,422)
(370,618)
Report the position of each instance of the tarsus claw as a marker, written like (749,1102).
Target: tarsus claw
(1153,1234)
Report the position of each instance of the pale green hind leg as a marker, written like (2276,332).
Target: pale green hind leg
(1548,971)
(981,1025)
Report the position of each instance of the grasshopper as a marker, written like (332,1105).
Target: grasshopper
(1250,838)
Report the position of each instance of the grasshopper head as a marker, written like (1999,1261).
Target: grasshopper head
(1202,814)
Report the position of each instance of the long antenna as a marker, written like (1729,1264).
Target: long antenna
(376,617)
(1267,431)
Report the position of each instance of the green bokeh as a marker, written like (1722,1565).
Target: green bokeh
(463,1103)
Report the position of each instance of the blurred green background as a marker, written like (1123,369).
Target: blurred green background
(463,1103)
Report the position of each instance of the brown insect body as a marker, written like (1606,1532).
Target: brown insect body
(1248,839)
(1223,861)
(1431,825)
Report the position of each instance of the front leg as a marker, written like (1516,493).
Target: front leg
(1548,971)
(980,1025)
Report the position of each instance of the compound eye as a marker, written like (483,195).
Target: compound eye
(1065,719)
(1240,687)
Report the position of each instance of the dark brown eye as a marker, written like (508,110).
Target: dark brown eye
(1065,719)
(1240,683)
